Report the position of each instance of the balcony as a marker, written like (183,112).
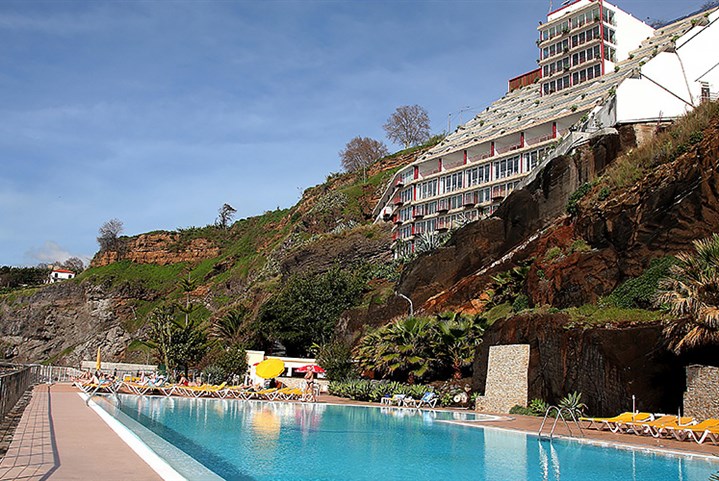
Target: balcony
(399,182)
(470,199)
(443,205)
(443,225)
(418,213)
(397,220)
(397,200)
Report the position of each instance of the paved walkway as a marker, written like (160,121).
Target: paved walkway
(59,438)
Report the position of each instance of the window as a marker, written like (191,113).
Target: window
(507,167)
(478,175)
(450,183)
(405,214)
(610,35)
(427,189)
(455,202)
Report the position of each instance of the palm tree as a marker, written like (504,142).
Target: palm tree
(414,341)
(228,328)
(691,293)
(460,336)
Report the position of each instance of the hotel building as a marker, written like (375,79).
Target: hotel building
(591,75)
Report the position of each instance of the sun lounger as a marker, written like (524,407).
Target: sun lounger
(395,400)
(428,399)
(204,390)
(92,388)
(700,432)
(611,423)
(656,428)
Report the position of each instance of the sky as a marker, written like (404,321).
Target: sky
(158,112)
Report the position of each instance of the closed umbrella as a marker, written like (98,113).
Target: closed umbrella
(98,363)
(270,368)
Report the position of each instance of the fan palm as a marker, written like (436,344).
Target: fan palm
(460,336)
(691,293)
(228,328)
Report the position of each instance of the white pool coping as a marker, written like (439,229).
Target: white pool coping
(168,473)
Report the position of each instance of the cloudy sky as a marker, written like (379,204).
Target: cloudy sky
(158,112)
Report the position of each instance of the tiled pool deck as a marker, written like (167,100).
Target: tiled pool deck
(60,438)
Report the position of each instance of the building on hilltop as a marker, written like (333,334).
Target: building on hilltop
(467,175)
(58,275)
(583,40)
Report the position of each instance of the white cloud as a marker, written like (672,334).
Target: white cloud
(48,253)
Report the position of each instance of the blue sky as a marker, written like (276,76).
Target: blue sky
(157,113)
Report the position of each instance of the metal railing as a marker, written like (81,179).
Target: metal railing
(560,415)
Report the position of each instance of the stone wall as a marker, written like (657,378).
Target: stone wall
(507,379)
(701,399)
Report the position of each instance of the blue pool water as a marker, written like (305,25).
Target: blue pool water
(262,441)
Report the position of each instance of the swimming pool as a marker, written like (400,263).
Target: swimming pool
(263,441)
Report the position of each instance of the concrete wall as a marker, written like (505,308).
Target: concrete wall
(507,379)
(701,399)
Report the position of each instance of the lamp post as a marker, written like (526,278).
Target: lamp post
(459,112)
(411,306)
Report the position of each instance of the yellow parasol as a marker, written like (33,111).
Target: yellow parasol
(270,368)
(98,363)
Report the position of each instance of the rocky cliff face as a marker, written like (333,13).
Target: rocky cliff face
(607,364)
(64,322)
(160,248)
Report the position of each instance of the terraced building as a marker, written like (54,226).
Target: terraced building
(598,67)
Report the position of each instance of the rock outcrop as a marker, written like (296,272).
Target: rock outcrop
(607,364)
(160,248)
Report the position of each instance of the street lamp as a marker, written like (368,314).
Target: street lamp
(459,112)
(411,306)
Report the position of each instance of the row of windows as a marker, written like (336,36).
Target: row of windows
(552,32)
(477,175)
(579,21)
(406,194)
(586,17)
(586,55)
(578,58)
(556,85)
(555,49)
(586,74)
(610,35)
(586,36)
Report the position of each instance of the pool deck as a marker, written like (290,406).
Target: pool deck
(60,438)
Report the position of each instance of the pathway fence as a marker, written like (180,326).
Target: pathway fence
(13,384)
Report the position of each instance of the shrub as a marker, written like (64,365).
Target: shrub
(579,245)
(521,410)
(538,407)
(552,253)
(520,303)
(641,291)
(573,402)
(604,193)
(576,196)
(336,358)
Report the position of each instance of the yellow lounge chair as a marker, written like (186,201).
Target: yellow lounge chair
(699,432)
(659,427)
(611,423)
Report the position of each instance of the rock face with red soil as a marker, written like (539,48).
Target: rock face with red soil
(160,248)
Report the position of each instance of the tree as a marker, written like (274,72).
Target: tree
(179,344)
(228,328)
(225,215)
(109,233)
(335,357)
(360,153)
(691,293)
(460,336)
(307,308)
(74,264)
(408,126)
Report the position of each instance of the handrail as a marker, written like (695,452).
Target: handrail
(564,420)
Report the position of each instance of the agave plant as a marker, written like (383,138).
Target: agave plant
(573,402)
(691,293)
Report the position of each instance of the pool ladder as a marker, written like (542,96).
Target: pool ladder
(560,415)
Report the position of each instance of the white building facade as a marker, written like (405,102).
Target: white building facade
(469,174)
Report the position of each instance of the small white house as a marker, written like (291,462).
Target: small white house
(58,275)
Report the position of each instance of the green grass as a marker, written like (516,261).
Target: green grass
(154,277)
(498,312)
(592,315)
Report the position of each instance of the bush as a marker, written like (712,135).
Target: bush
(552,253)
(579,245)
(604,193)
(521,410)
(520,303)
(640,291)
(576,196)
(538,407)
(336,358)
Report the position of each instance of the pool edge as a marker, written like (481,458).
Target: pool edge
(139,447)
